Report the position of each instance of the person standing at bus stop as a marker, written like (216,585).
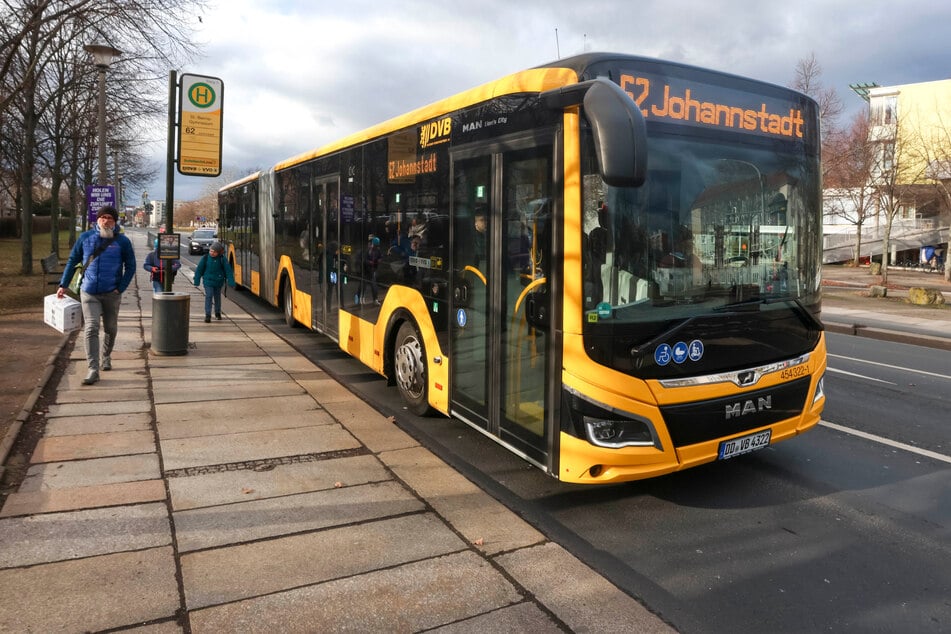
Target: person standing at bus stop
(216,272)
(108,262)
(156,268)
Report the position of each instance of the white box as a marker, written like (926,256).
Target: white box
(64,314)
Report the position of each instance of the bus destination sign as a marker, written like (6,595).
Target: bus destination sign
(703,105)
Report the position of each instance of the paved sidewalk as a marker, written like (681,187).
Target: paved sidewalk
(240,488)
(847,307)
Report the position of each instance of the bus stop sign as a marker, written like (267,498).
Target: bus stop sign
(200,109)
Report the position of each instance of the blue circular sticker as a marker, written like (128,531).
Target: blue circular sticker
(462,318)
(695,350)
(604,310)
(680,352)
(662,354)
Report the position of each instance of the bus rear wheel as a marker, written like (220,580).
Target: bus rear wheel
(409,365)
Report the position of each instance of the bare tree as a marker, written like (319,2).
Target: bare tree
(43,44)
(932,147)
(898,166)
(808,80)
(847,162)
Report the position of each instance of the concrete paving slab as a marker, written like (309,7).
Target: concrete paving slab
(329,392)
(104,408)
(229,574)
(79,425)
(220,373)
(39,539)
(181,453)
(249,407)
(190,391)
(472,512)
(408,598)
(227,487)
(239,347)
(106,391)
(377,432)
(522,617)
(98,471)
(235,523)
(235,423)
(577,595)
(163,362)
(82,595)
(75,498)
(61,448)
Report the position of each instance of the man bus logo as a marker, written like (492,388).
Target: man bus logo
(201,95)
(435,133)
(736,410)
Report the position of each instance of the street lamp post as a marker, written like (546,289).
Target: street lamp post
(103,56)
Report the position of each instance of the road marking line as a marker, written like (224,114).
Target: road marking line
(885,441)
(860,376)
(888,365)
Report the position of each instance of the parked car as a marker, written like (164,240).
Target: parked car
(201,240)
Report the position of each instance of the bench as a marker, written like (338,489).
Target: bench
(51,266)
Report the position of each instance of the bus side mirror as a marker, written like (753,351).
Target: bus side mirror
(620,134)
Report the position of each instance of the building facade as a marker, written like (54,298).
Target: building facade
(910,179)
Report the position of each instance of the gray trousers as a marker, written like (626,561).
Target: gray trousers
(96,307)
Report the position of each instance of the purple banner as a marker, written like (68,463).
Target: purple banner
(97,197)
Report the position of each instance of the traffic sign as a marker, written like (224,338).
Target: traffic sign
(200,108)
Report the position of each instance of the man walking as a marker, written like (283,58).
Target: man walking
(108,262)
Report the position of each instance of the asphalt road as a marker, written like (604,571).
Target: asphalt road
(832,531)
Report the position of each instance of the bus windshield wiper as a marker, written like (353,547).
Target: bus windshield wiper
(747,304)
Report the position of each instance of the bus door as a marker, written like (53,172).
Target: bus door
(325,227)
(245,219)
(502,248)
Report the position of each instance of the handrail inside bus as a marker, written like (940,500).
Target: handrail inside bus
(620,133)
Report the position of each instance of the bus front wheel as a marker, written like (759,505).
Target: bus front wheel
(289,304)
(410,369)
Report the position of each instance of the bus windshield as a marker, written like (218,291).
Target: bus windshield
(717,227)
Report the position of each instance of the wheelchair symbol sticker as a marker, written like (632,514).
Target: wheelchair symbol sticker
(662,355)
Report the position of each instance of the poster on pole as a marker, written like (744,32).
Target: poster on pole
(200,110)
(169,246)
(97,197)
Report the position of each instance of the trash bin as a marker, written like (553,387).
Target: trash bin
(170,323)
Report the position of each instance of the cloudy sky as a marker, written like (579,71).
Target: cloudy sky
(299,74)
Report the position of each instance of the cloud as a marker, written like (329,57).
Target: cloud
(301,74)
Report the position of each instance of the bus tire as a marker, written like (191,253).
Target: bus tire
(409,367)
(288,301)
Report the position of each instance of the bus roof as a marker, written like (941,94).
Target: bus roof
(532,80)
(548,76)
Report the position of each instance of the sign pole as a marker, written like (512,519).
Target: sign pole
(170,176)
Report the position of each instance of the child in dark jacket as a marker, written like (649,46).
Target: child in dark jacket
(216,272)
(156,268)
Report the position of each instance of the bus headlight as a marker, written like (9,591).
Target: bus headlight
(820,389)
(616,433)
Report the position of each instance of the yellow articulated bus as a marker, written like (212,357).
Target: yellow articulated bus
(608,264)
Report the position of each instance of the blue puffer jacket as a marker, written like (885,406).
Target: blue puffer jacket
(113,269)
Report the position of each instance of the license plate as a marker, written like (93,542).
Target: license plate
(743,444)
